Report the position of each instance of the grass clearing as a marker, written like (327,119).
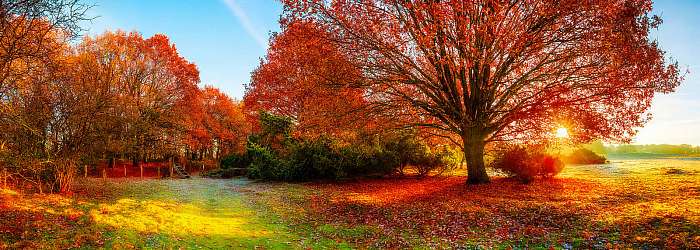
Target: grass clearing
(195,213)
(649,203)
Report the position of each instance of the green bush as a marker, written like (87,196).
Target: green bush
(368,160)
(265,164)
(525,164)
(273,154)
(437,160)
(235,161)
(323,158)
(584,156)
(225,173)
(315,159)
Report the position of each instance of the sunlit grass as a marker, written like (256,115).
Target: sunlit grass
(180,220)
(652,203)
(145,214)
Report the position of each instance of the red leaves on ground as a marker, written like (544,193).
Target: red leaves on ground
(599,212)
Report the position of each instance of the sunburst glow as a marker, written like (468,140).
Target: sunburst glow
(562,133)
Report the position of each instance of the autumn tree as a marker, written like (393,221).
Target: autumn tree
(221,128)
(38,143)
(28,33)
(491,71)
(226,122)
(307,79)
(147,91)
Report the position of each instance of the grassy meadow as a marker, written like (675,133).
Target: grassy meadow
(629,203)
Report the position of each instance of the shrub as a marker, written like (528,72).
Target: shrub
(323,158)
(405,149)
(225,173)
(314,159)
(526,164)
(264,163)
(426,163)
(584,156)
(366,160)
(409,151)
(235,161)
(438,160)
(273,154)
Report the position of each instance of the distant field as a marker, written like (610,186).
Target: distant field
(628,203)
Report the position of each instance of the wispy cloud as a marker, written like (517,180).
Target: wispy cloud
(246,23)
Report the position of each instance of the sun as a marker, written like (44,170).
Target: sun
(562,133)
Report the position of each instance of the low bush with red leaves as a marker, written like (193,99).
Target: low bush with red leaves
(525,164)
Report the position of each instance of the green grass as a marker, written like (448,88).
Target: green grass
(641,203)
(191,213)
(153,214)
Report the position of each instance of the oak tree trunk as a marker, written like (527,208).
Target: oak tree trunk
(474,145)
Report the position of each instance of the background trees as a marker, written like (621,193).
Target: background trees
(38,141)
(490,71)
(307,79)
(224,126)
(117,95)
(147,91)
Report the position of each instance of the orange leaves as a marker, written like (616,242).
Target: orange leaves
(513,69)
(635,206)
(307,78)
(152,100)
(222,122)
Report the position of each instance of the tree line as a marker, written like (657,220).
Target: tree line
(117,95)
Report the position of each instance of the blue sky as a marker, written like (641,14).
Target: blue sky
(227,38)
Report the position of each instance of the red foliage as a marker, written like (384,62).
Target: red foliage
(217,119)
(306,78)
(527,163)
(491,71)
(447,209)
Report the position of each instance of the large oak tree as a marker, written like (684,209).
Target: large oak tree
(490,71)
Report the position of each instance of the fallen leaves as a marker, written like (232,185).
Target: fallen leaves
(623,205)
(595,207)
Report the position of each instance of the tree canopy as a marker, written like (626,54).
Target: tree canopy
(491,71)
